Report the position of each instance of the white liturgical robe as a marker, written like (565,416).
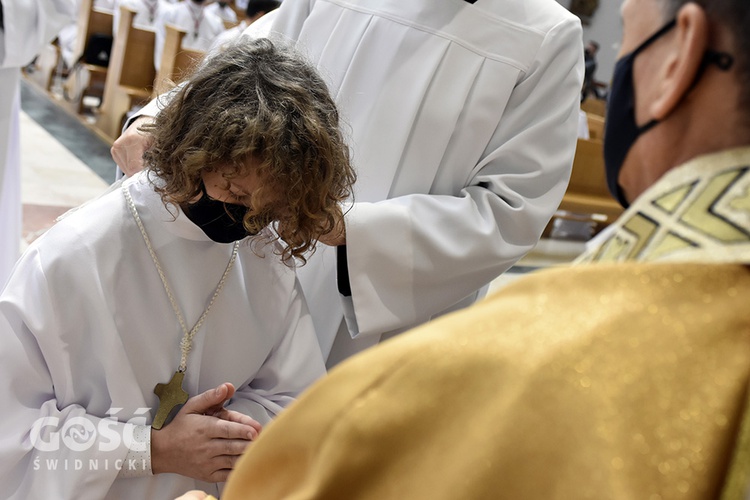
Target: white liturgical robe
(28,25)
(463,121)
(147,13)
(87,331)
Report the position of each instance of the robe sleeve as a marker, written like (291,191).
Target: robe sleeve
(411,256)
(294,364)
(30,24)
(47,450)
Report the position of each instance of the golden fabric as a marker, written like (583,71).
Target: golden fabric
(529,395)
(620,380)
(699,211)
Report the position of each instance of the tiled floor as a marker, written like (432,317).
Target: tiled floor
(53,178)
(65,164)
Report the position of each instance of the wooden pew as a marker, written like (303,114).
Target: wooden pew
(594,106)
(94,21)
(587,199)
(91,21)
(46,66)
(176,62)
(131,74)
(596,126)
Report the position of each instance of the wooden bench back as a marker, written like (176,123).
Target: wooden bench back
(587,191)
(130,79)
(596,126)
(594,106)
(94,21)
(138,59)
(176,63)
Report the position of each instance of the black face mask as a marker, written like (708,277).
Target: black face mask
(621,130)
(222,222)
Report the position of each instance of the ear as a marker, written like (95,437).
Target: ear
(683,59)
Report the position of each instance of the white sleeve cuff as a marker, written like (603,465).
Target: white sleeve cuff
(138,461)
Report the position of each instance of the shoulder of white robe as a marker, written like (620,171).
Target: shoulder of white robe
(262,27)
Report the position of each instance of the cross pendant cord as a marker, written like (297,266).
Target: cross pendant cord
(187,339)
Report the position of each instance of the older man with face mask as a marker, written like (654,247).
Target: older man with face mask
(626,377)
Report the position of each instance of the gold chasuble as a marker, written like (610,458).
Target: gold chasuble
(619,380)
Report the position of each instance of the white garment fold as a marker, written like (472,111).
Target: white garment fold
(28,26)
(86,326)
(462,120)
(463,123)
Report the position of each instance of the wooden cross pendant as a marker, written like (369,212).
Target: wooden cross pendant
(170,396)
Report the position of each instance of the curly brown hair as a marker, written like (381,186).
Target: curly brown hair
(262,101)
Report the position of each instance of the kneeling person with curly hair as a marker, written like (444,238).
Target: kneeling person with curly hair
(150,334)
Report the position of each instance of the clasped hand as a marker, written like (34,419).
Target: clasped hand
(204,440)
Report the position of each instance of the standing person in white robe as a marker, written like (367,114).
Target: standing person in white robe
(201,27)
(223,11)
(147,13)
(25,28)
(464,121)
(98,309)
(255,10)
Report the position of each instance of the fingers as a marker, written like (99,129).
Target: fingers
(229,452)
(230,390)
(228,464)
(127,151)
(240,418)
(337,235)
(210,400)
(224,429)
(220,476)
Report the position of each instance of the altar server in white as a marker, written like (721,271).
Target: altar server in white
(25,28)
(201,27)
(222,9)
(463,120)
(255,10)
(147,13)
(175,283)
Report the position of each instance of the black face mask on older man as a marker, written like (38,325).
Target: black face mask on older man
(621,130)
